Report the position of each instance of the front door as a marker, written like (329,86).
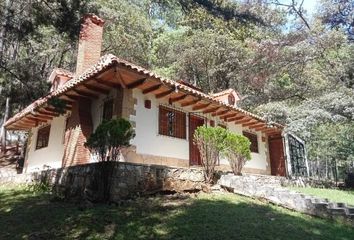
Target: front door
(194,155)
(276,152)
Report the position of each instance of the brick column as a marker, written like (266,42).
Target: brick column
(78,128)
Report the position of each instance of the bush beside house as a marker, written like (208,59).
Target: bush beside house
(106,142)
(214,142)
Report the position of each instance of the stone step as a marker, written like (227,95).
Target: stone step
(350,210)
(337,211)
(341,205)
(337,205)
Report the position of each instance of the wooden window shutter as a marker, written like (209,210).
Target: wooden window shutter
(254,141)
(107,110)
(172,122)
(43,137)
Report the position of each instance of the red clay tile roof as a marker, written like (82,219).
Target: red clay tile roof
(106,62)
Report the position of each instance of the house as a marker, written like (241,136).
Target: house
(164,114)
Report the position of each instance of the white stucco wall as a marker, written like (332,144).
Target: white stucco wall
(258,160)
(50,156)
(148,141)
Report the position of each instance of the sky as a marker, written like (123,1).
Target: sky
(310,6)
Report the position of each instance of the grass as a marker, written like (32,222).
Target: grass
(26,215)
(334,195)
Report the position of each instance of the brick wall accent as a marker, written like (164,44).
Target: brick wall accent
(90,42)
(78,129)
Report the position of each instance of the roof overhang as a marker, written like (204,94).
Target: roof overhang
(112,72)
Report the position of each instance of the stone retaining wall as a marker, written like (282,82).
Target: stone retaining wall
(270,188)
(129,180)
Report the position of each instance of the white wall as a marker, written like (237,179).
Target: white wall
(50,156)
(148,141)
(258,160)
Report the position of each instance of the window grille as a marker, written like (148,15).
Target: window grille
(43,137)
(172,122)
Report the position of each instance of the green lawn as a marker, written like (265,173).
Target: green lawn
(24,215)
(332,194)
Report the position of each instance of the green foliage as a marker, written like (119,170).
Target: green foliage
(109,137)
(58,104)
(210,142)
(302,76)
(199,217)
(39,188)
(237,151)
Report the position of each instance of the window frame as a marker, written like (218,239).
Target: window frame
(183,133)
(40,137)
(254,147)
(231,99)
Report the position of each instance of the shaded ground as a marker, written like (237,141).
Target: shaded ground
(24,215)
(334,195)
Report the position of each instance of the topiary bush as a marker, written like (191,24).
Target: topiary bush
(109,138)
(210,142)
(107,141)
(237,151)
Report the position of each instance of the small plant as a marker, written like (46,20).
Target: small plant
(237,151)
(107,141)
(58,104)
(39,188)
(109,138)
(210,142)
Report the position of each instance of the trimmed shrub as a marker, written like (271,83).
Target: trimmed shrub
(109,138)
(107,141)
(210,142)
(237,151)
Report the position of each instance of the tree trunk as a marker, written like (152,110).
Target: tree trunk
(3,28)
(3,130)
(326,168)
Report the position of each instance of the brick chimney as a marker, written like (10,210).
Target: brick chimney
(90,42)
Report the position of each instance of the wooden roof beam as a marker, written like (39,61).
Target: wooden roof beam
(202,106)
(261,129)
(245,120)
(151,89)
(164,94)
(44,112)
(40,116)
(96,89)
(177,99)
(136,83)
(67,99)
(228,115)
(250,123)
(190,103)
(108,83)
(36,119)
(211,110)
(256,125)
(119,77)
(85,94)
(52,109)
(235,118)
(270,130)
(219,113)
